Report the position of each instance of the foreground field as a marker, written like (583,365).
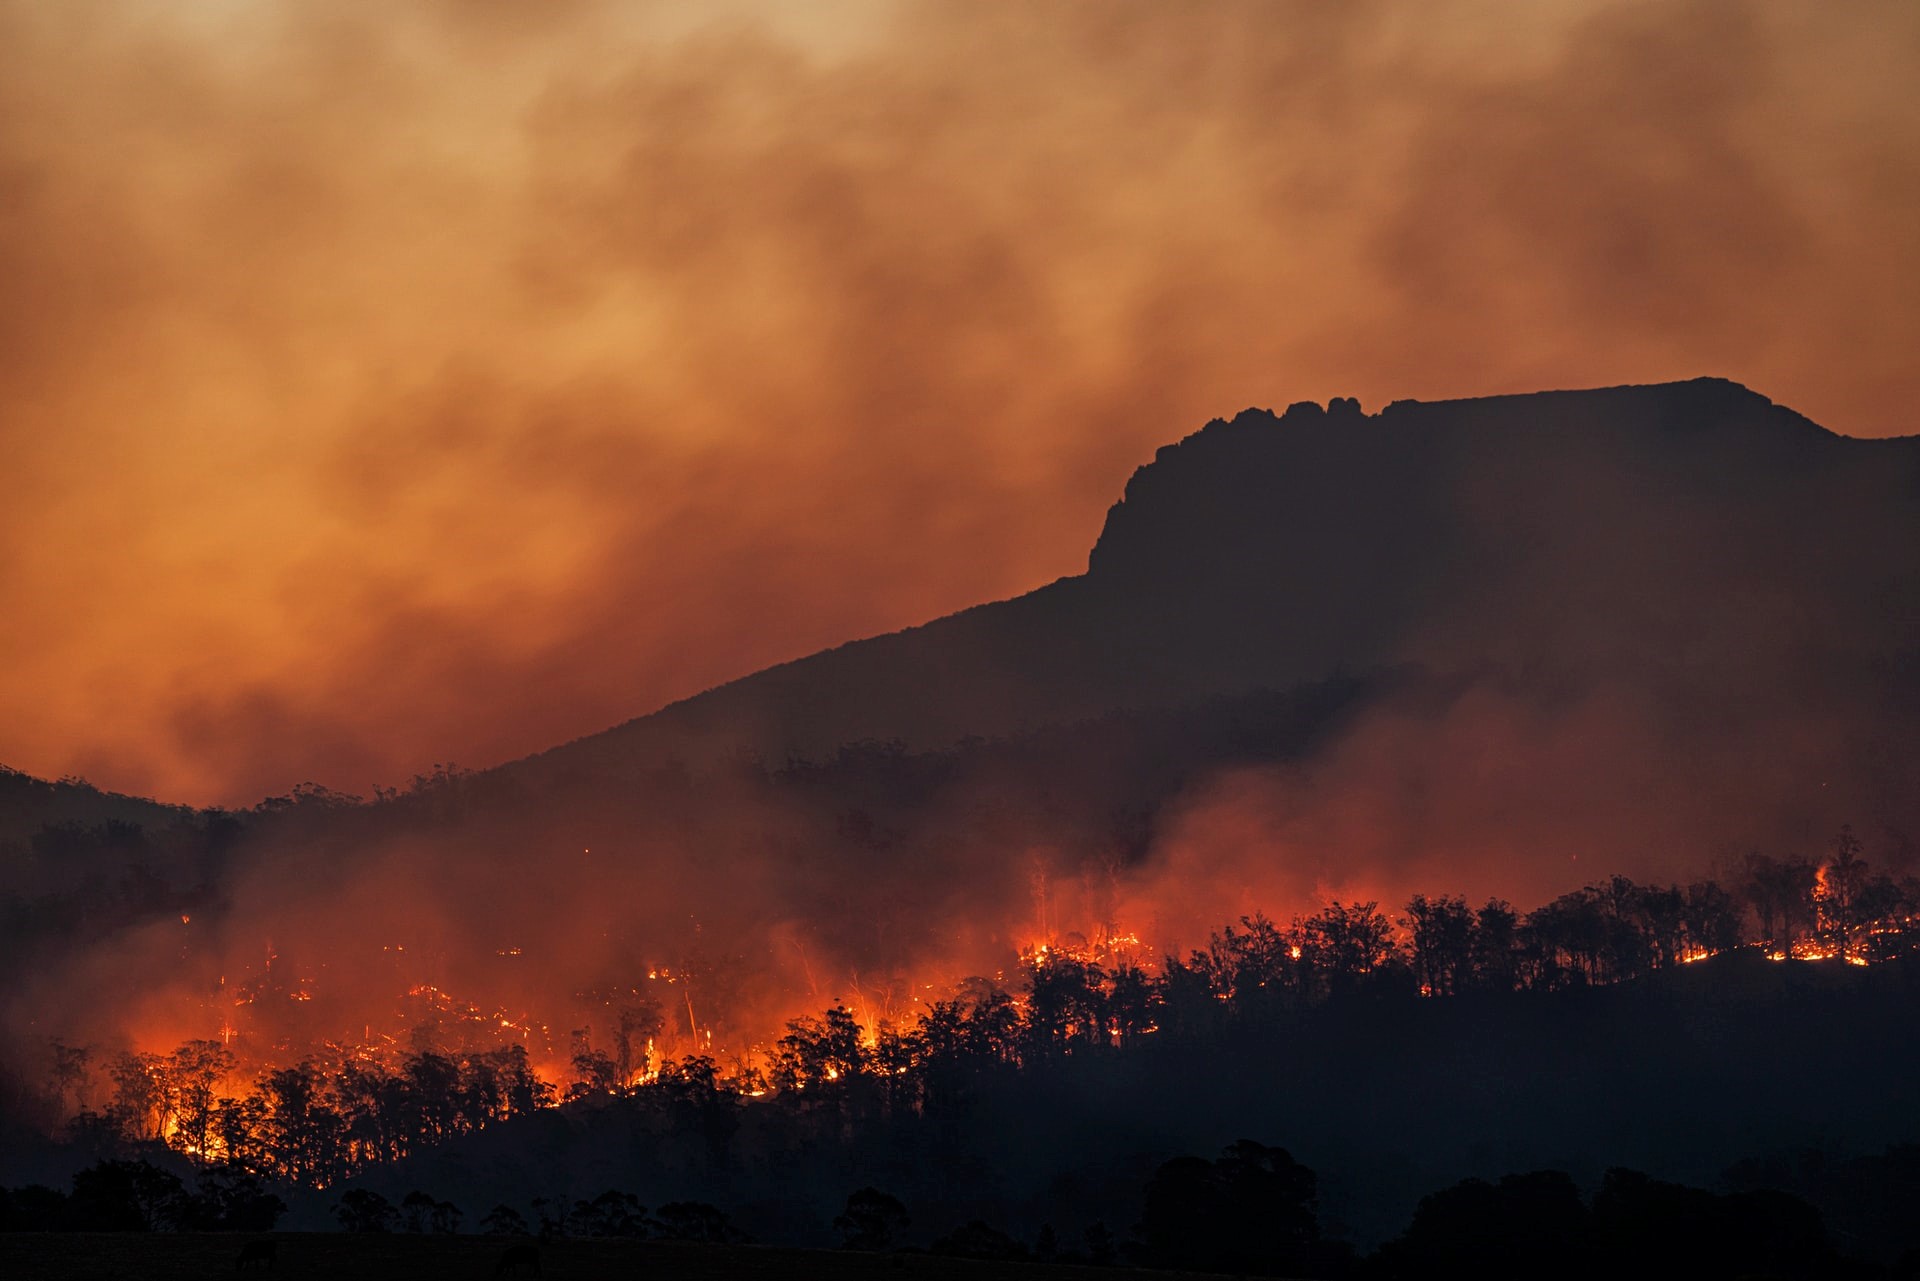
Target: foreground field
(81,1256)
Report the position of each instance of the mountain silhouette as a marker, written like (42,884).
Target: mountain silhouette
(1717,554)
(1675,615)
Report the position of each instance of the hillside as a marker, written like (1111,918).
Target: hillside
(1319,662)
(1501,647)
(28,804)
(1720,555)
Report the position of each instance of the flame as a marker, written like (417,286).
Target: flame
(272,1016)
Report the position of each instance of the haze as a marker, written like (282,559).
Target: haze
(385,388)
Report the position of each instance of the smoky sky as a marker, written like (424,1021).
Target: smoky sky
(383,385)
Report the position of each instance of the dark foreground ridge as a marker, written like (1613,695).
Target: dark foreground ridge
(387,1257)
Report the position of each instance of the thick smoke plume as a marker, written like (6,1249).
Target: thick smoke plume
(387,386)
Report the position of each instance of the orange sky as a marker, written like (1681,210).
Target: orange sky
(390,384)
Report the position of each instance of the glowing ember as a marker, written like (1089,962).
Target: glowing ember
(273,1035)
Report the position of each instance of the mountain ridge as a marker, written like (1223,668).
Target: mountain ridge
(1247,515)
(1269,550)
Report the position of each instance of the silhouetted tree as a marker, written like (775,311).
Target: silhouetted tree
(305,1134)
(364,1210)
(1798,877)
(1344,942)
(978,1240)
(191,1075)
(817,1052)
(1254,967)
(503,1221)
(1496,947)
(1525,1226)
(611,1214)
(1768,889)
(139,1105)
(71,1072)
(594,1071)
(1252,1210)
(1846,882)
(232,1199)
(698,1100)
(1648,1228)
(695,1221)
(127,1196)
(1711,918)
(240,1131)
(1442,930)
(416,1208)
(895,1055)
(638,1021)
(1569,938)
(870,1220)
(1627,950)
(1660,913)
(1188,1001)
(1066,1007)
(36,1208)
(1132,1004)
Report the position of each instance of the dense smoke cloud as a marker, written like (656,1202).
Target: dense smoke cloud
(1496,796)
(386,386)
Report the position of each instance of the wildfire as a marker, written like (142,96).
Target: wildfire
(430,1015)
(1083,992)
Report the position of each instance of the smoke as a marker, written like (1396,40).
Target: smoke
(1495,794)
(723,905)
(384,388)
(387,388)
(467,915)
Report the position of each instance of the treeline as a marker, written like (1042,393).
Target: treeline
(138,1196)
(611,1215)
(1072,1001)
(312,1123)
(325,1119)
(1253,1210)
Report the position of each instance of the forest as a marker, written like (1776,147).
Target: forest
(188,1140)
(343,1108)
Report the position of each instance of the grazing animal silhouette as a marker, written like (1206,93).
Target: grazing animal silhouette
(519,1261)
(257,1254)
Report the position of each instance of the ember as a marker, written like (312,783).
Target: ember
(288,1096)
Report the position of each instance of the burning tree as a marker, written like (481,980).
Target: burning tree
(1442,932)
(338,1108)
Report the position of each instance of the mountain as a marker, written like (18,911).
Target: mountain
(1497,645)
(1505,647)
(1717,557)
